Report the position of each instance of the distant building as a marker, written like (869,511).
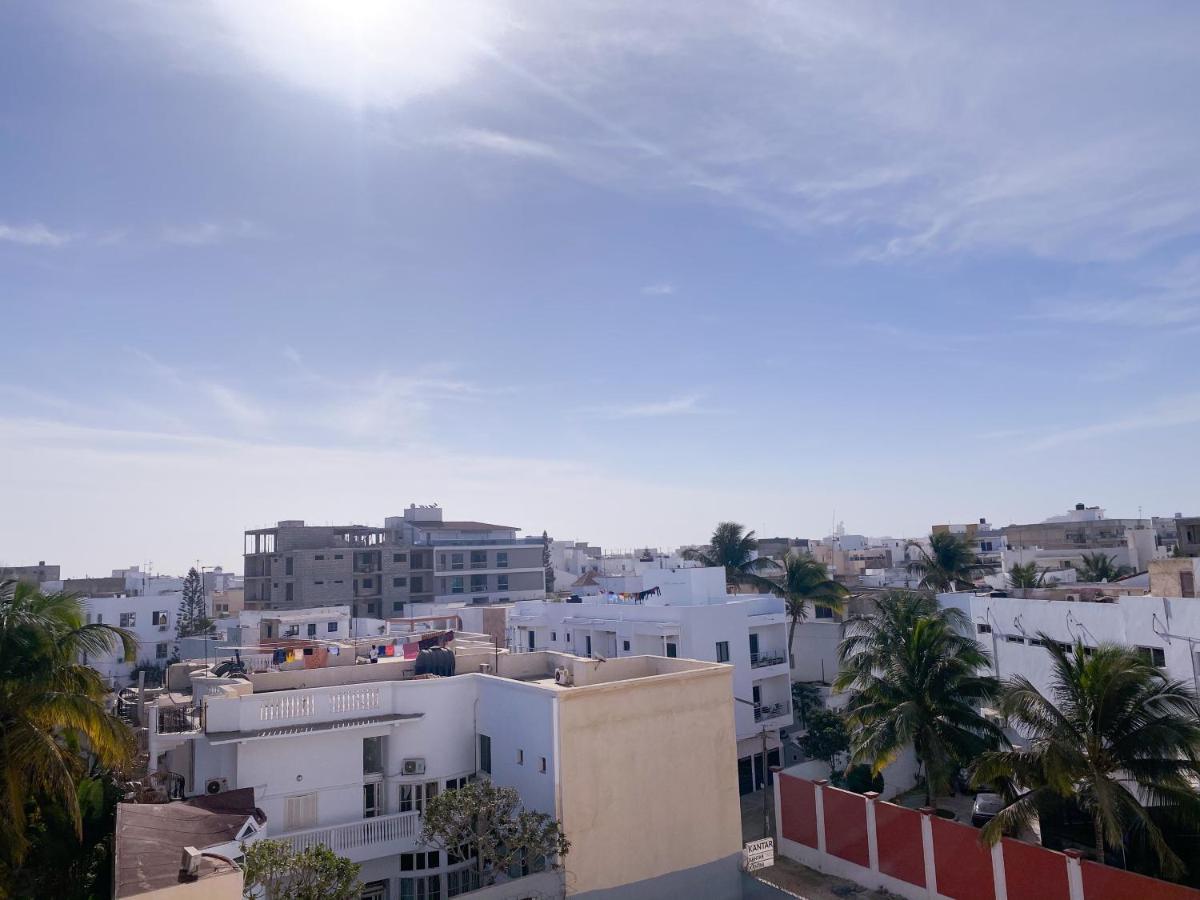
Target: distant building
(985,540)
(39,574)
(1174,577)
(1187,529)
(384,571)
(1061,541)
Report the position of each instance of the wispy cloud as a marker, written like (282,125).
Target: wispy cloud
(500,143)
(658,289)
(1164,296)
(33,235)
(686,405)
(235,405)
(1172,413)
(203,234)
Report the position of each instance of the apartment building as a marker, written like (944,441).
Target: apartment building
(1165,629)
(383,571)
(635,756)
(681,613)
(151,618)
(38,574)
(984,539)
(1061,541)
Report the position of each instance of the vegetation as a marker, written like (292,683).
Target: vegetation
(826,738)
(1097,567)
(1026,576)
(192,618)
(732,548)
(805,584)
(806,699)
(54,727)
(547,566)
(1111,718)
(274,871)
(485,822)
(860,779)
(948,565)
(915,679)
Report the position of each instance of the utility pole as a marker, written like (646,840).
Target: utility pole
(765,774)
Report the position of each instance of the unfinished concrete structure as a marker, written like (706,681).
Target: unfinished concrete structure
(380,571)
(30,574)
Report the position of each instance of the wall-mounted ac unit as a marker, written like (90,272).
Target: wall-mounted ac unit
(216,785)
(485,668)
(562,675)
(414,766)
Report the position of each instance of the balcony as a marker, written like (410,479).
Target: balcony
(766,712)
(362,840)
(767,658)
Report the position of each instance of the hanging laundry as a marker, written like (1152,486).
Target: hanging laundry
(391,650)
(334,651)
(411,649)
(279,657)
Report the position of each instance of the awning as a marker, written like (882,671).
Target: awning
(233,737)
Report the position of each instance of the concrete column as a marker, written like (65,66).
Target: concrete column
(927,847)
(778,835)
(1074,874)
(819,806)
(998,871)
(872,837)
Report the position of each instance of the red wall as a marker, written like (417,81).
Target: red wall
(901,851)
(798,810)
(964,868)
(1108,883)
(1031,871)
(846,825)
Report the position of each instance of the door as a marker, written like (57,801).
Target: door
(753,647)
(372,799)
(588,643)
(531,638)
(745,776)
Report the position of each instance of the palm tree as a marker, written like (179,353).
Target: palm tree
(1111,718)
(1097,567)
(1026,576)
(915,678)
(948,565)
(52,707)
(805,582)
(732,548)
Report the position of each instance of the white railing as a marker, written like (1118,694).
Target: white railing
(354,837)
(766,658)
(302,706)
(354,699)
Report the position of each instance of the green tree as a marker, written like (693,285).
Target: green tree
(52,707)
(547,566)
(805,583)
(192,618)
(948,564)
(1096,567)
(914,678)
(1111,719)
(826,738)
(1026,576)
(315,873)
(732,548)
(806,699)
(486,822)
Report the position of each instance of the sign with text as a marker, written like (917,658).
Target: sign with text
(758,854)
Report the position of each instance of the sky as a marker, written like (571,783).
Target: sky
(616,270)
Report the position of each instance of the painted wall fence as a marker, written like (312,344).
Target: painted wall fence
(917,855)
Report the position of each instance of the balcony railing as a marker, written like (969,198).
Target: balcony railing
(172,720)
(366,839)
(769,711)
(767,658)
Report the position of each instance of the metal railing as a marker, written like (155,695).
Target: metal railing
(178,720)
(766,658)
(344,839)
(768,711)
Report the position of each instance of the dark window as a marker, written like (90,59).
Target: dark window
(1014,639)
(399,557)
(822,612)
(331,627)
(399,582)
(501,582)
(672,650)
(502,559)
(287,592)
(722,650)
(337,556)
(478,559)
(312,629)
(485,754)
(397,606)
(479,583)
(319,556)
(554,635)
(372,756)
(625,645)
(368,582)
(984,629)
(418,585)
(456,561)
(1156,656)
(287,566)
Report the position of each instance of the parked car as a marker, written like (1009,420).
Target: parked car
(985,807)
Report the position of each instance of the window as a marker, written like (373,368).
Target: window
(1064,647)
(287,592)
(416,862)
(478,559)
(418,585)
(1156,656)
(756,695)
(368,582)
(722,650)
(372,799)
(337,556)
(319,556)
(373,756)
(625,646)
(1187,584)
(415,796)
(1014,639)
(99,618)
(312,629)
(520,757)
(502,582)
(1036,642)
(456,584)
(502,559)
(299,812)
(983,629)
(292,631)
(554,635)
(453,784)
(456,561)
(158,618)
(160,650)
(375,890)
(399,557)
(318,582)
(399,582)
(129,620)
(822,612)
(461,882)
(287,566)
(423,887)
(542,764)
(485,754)
(672,650)
(331,627)
(588,643)
(478,583)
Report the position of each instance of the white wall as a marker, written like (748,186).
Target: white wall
(108,610)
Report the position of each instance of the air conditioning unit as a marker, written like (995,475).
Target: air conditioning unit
(562,675)
(216,785)
(485,668)
(413,766)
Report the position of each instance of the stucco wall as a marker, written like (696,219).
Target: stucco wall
(648,779)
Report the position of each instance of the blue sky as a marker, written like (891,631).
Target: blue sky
(617,270)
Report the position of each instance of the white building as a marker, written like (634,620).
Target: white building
(1166,629)
(690,616)
(633,756)
(152,619)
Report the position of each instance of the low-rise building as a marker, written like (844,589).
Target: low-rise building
(634,756)
(1176,577)
(39,574)
(1061,541)
(151,619)
(681,613)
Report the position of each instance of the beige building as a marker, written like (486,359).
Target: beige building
(227,603)
(31,574)
(1174,577)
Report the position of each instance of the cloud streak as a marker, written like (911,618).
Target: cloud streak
(34,234)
